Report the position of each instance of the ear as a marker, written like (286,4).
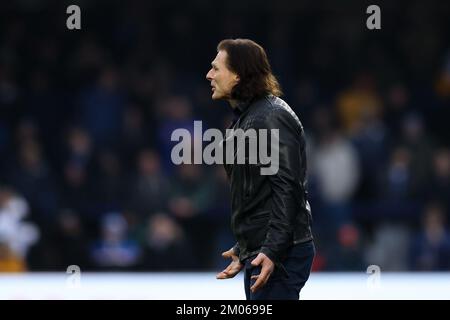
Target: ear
(236,78)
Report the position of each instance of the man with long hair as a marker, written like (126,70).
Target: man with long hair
(271,217)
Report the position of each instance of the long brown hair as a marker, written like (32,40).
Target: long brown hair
(249,61)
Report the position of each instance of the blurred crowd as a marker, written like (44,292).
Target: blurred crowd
(86,118)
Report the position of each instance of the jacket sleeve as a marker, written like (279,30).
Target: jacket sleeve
(236,249)
(285,184)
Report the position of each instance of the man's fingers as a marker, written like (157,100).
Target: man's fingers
(233,270)
(257,261)
(230,271)
(226,271)
(258,284)
(222,275)
(226,275)
(261,279)
(229,268)
(227,254)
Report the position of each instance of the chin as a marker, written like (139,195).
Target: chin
(216,96)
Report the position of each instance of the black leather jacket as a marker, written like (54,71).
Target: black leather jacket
(270,213)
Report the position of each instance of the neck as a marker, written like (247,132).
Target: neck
(233,103)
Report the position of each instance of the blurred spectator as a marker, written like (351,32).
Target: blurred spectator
(361,98)
(16,234)
(398,101)
(109,183)
(9,262)
(370,137)
(389,249)
(430,247)
(166,247)
(443,83)
(43,105)
(76,193)
(191,196)
(190,192)
(218,217)
(102,107)
(79,146)
(438,186)
(149,187)
(115,250)
(71,241)
(347,253)
(396,200)
(175,113)
(9,88)
(336,168)
(307,97)
(32,177)
(398,183)
(420,147)
(135,135)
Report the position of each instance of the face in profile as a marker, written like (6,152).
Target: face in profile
(222,79)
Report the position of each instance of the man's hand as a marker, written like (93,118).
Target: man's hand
(267,267)
(234,267)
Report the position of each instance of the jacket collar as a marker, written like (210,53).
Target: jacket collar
(241,107)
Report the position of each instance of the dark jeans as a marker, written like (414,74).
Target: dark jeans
(282,285)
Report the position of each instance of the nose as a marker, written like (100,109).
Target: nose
(209,75)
